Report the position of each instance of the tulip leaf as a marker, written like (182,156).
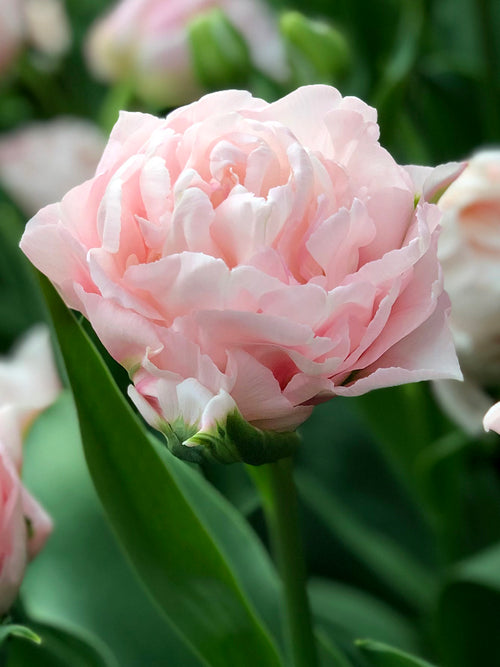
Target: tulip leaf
(392,565)
(21,631)
(165,517)
(468,611)
(382,655)
(329,654)
(348,613)
(410,404)
(59,648)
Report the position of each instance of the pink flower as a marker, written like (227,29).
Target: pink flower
(469,252)
(24,528)
(29,383)
(252,259)
(147,41)
(42,24)
(41,161)
(491,421)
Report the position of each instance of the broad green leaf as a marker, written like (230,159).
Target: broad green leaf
(59,647)
(148,496)
(21,631)
(414,422)
(344,611)
(469,610)
(458,479)
(393,566)
(329,654)
(69,583)
(382,655)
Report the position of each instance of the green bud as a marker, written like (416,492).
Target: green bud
(318,52)
(219,53)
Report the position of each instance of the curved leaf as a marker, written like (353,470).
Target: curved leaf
(353,613)
(59,648)
(395,567)
(382,655)
(21,631)
(142,489)
(468,612)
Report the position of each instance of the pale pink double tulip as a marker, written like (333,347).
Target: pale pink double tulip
(28,384)
(469,252)
(41,161)
(240,257)
(146,42)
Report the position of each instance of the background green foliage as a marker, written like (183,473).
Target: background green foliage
(400,510)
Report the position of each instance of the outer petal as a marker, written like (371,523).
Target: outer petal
(491,421)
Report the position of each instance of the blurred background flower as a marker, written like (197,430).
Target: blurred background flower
(469,252)
(152,46)
(29,383)
(40,24)
(40,161)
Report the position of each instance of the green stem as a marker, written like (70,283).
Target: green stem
(118,98)
(279,498)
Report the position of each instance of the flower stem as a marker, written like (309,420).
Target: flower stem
(279,498)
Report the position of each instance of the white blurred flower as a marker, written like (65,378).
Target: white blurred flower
(469,252)
(47,26)
(41,161)
(147,42)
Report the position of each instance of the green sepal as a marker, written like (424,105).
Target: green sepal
(316,49)
(219,54)
(231,441)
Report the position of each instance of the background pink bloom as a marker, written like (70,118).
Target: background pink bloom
(42,24)
(147,41)
(24,528)
(41,161)
(11,31)
(29,383)
(252,256)
(469,252)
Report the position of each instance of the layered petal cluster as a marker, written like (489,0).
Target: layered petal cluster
(252,259)
(469,252)
(28,384)
(41,161)
(147,41)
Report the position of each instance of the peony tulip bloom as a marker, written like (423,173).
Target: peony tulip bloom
(469,252)
(41,161)
(245,261)
(147,41)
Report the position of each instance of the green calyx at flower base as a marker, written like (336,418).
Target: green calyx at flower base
(230,441)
